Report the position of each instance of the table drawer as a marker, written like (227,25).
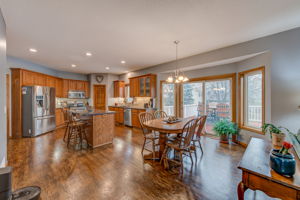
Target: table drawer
(273,189)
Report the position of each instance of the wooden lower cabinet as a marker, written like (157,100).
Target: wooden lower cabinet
(135,117)
(59,117)
(119,116)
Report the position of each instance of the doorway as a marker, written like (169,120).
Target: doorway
(100,97)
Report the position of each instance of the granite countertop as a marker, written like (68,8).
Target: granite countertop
(94,112)
(132,107)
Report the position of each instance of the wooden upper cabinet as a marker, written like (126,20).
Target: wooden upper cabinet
(33,78)
(59,87)
(143,86)
(86,88)
(72,85)
(65,88)
(50,81)
(28,78)
(134,87)
(119,89)
(80,86)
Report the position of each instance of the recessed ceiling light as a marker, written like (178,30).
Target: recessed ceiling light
(123,61)
(88,54)
(32,50)
(73,65)
(107,68)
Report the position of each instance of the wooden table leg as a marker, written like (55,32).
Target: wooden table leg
(162,143)
(241,190)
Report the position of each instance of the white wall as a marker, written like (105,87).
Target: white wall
(3,71)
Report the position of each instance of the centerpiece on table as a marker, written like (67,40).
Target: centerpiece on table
(283,162)
(224,128)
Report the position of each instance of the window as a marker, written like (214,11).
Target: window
(212,96)
(251,99)
(192,99)
(168,98)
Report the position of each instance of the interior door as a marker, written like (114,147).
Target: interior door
(100,97)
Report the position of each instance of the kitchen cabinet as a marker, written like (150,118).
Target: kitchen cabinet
(72,85)
(59,87)
(28,78)
(50,81)
(59,117)
(135,117)
(119,89)
(119,116)
(65,88)
(143,86)
(33,78)
(86,88)
(134,87)
(80,86)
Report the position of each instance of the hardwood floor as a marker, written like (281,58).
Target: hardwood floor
(117,171)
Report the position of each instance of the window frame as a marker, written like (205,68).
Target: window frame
(175,96)
(231,76)
(241,99)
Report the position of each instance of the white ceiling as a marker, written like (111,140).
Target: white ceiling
(141,32)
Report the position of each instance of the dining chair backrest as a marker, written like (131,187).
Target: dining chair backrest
(189,131)
(200,125)
(159,114)
(144,117)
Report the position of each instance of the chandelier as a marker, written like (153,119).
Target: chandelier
(177,76)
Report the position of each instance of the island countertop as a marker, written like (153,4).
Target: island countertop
(94,112)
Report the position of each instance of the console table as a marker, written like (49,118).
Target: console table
(258,175)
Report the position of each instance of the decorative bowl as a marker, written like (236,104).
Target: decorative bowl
(282,164)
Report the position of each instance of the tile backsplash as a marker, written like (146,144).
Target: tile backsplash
(62,102)
(135,102)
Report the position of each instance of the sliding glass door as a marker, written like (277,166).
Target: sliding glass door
(218,102)
(192,99)
(210,97)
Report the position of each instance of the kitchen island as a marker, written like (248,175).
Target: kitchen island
(100,126)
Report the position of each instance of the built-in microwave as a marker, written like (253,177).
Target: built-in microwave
(76,94)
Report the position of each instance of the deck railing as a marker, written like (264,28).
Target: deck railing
(254,112)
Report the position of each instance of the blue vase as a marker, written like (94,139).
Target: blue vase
(282,164)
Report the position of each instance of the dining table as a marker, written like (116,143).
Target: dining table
(164,128)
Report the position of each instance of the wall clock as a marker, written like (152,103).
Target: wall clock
(99,78)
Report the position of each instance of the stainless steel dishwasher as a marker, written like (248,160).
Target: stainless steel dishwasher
(127,117)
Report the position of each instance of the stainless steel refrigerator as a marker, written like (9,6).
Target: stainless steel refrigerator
(38,110)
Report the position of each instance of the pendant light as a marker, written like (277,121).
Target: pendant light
(178,76)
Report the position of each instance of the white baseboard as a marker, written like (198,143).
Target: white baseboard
(3,162)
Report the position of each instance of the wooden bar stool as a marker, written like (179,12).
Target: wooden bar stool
(76,131)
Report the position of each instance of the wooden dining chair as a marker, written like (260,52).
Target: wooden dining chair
(198,133)
(159,114)
(149,136)
(182,146)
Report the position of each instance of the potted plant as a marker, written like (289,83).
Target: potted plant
(275,133)
(235,133)
(283,162)
(223,129)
